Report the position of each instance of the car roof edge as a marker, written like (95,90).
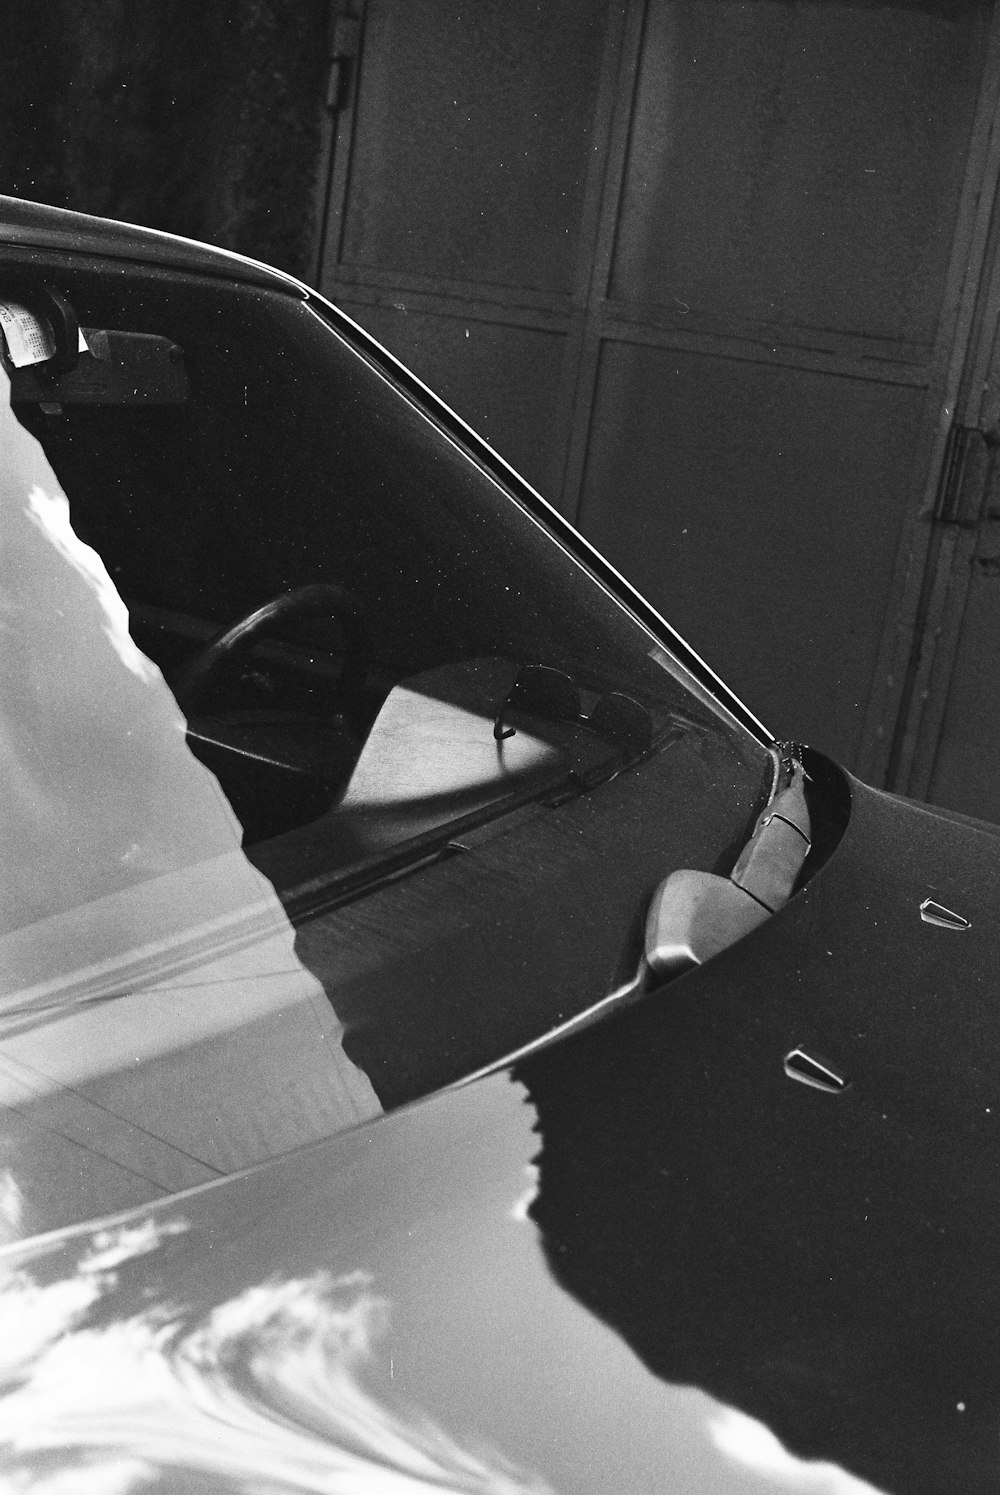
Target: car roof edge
(34,225)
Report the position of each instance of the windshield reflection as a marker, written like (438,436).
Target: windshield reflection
(156,1027)
(360,1337)
(270,1389)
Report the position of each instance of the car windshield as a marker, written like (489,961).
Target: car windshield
(276,648)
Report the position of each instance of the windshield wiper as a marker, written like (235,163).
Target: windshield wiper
(421,783)
(695,915)
(302,865)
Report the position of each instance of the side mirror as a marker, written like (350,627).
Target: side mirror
(694,915)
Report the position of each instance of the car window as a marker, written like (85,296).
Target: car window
(274,641)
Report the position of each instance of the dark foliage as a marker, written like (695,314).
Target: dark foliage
(203,119)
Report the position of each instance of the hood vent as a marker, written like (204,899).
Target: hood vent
(817,1073)
(943,918)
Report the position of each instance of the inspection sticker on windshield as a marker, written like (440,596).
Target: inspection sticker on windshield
(28,336)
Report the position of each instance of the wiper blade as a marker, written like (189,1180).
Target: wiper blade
(312,873)
(309,880)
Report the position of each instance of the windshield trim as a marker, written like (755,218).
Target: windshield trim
(693,672)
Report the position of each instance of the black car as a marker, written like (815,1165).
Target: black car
(342,778)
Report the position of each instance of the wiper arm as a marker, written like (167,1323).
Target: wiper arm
(695,915)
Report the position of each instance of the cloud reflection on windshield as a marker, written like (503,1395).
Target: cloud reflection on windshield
(270,1390)
(156,1026)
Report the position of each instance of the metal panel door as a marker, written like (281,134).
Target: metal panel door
(702,270)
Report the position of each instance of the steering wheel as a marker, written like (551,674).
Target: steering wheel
(321,599)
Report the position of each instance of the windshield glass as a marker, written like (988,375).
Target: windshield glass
(273,642)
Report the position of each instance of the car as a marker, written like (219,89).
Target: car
(448,1042)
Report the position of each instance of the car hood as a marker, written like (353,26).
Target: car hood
(643,1258)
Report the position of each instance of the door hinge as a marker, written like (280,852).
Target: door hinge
(968,457)
(345,39)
